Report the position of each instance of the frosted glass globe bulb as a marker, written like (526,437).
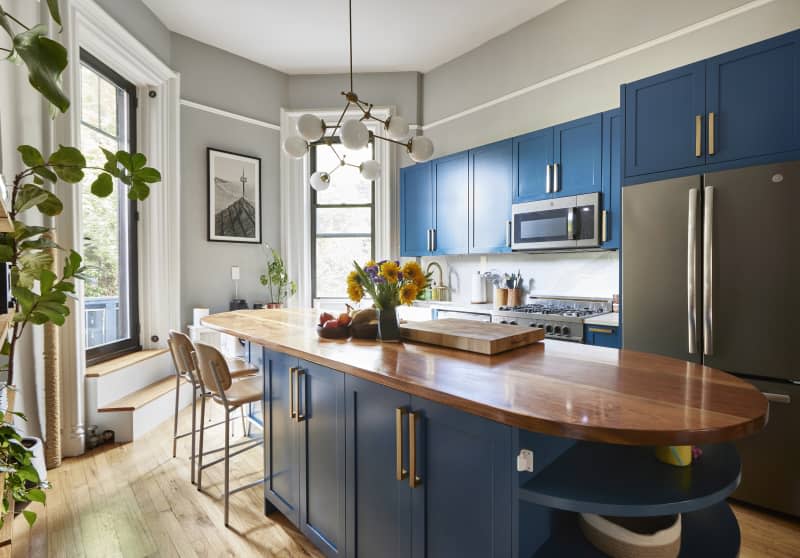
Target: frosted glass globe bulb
(397,128)
(310,127)
(320,181)
(354,134)
(420,149)
(370,170)
(295,146)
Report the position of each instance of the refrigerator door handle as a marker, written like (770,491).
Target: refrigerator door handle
(777,397)
(691,272)
(708,271)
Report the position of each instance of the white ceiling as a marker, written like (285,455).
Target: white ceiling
(310,36)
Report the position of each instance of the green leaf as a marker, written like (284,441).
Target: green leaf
(37,495)
(46,280)
(46,59)
(40,243)
(72,264)
(28,472)
(124,159)
(147,174)
(30,264)
(68,163)
(138,190)
(30,517)
(6,253)
(38,180)
(31,156)
(103,185)
(25,297)
(52,6)
(138,161)
(23,231)
(28,196)
(46,173)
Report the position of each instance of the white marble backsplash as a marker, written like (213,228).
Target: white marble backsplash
(582,274)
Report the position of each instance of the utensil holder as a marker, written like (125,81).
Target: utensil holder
(514,297)
(500,297)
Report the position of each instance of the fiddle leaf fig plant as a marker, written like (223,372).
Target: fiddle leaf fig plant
(40,294)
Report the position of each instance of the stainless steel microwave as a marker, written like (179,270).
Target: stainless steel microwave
(568,222)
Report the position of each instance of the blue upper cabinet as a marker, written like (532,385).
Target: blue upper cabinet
(532,160)
(490,195)
(577,156)
(451,208)
(664,121)
(610,219)
(753,98)
(416,210)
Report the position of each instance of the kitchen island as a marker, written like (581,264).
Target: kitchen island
(410,450)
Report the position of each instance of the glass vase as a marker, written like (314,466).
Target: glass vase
(388,326)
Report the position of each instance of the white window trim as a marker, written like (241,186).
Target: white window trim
(89,26)
(296,199)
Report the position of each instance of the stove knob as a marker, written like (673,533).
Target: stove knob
(548,329)
(503,322)
(565,330)
(540,326)
(557,330)
(512,322)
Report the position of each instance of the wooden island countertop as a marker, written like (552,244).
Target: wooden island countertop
(553,387)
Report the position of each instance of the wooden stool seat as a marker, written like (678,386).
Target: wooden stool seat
(240,367)
(246,390)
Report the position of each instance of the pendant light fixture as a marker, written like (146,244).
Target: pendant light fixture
(353,134)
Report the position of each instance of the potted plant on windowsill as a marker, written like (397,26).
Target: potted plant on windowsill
(40,294)
(276,279)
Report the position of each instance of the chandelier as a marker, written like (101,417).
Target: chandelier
(353,133)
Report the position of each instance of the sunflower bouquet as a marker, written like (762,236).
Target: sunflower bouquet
(387,283)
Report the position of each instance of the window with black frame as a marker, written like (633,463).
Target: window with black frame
(342,220)
(111,301)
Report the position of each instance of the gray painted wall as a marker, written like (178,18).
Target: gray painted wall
(137,18)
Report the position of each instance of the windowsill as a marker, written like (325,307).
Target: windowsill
(123,361)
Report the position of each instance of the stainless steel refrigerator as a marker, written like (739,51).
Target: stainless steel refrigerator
(711,274)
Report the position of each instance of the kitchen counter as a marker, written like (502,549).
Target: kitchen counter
(611,319)
(557,388)
(483,308)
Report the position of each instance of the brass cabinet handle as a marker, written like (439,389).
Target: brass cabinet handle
(300,374)
(292,411)
(399,415)
(413,480)
(604,226)
(601,330)
(698,135)
(711,120)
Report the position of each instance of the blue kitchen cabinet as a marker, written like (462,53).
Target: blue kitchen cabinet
(451,207)
(577,156)
(611,218)
(321,421)
(378,515)
(490,195)
(754,96)
(281,436)
(532,159)
(454,450)
(601,335)
(416,209)
(665,120)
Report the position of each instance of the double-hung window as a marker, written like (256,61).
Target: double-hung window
(111,305)
(342,219)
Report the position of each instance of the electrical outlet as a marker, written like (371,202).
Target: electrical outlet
(235,273)
(525,461)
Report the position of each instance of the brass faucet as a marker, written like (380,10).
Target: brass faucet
(437,292)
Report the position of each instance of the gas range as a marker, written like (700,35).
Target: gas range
(561,318)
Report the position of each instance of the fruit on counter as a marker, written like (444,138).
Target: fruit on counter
(331,324)
(364,316)
(364,324)
(324,318)
(344,319)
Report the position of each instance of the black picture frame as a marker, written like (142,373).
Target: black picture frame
(239,218)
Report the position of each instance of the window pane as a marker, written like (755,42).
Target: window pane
(89,97)
(334,259)
(347,186)
(108,107)
(344,220)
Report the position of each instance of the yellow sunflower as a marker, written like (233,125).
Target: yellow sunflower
(355,292)
(390,271)
(413,272)
(370,263)
(353,279)
(408,293)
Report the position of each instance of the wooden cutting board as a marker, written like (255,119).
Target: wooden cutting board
(469,335)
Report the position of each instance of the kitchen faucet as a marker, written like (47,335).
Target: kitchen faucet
(437,292)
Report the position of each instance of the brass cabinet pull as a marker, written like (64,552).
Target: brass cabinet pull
(300,374)
(601,330)
(413,480)
(604,226)
(711,120)
(399,415)
(292,411)
(698,135)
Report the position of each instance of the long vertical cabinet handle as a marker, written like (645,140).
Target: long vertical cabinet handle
(711,123)
(413,479)
(691,272)
(292,410)
(556,179)
(698,135)
(399,414)
(428,240)
(548,187)
(508,234)
(708,271)
(433,240)
(301,373)
(604,226)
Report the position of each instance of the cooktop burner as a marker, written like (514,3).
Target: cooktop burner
(555,310)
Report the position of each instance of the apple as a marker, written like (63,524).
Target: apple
(331,324)
(344,319)
(325,317)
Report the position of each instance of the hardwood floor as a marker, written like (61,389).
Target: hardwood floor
(135,500)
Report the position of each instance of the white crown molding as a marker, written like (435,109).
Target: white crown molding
(228,114)
(754,4)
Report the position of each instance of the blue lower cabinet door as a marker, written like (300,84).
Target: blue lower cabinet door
(461,505)
(281,449)
(378,494)
(602,336)
(321,422)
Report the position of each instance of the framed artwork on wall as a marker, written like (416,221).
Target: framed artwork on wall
(234,197)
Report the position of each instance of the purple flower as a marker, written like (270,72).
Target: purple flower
(372,271)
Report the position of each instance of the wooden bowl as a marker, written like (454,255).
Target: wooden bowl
(341,332)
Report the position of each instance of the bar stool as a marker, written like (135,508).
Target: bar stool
(216,379)
(181,348)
